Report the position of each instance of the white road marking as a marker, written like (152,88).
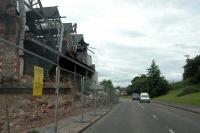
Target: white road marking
(171,131)
(140,105)
(154,116)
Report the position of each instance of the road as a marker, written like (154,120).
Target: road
(132,117)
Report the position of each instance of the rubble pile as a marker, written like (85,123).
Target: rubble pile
(26,111)
(1,125)
(2,113)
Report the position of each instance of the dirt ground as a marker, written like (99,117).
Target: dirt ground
(26,111)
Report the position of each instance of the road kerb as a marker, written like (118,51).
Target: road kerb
(93,121)
(182,108)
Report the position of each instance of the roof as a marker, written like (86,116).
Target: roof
(47,22)
(46,12)
(80,39)
(68,28)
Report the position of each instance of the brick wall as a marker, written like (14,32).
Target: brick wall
(9,60)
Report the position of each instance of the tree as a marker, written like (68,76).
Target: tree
(129,89)
(139,83)
(157,84)
(192,69)
(118,88)
(152,82)
(107,84)
(109,89)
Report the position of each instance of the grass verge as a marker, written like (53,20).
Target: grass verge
(171,96)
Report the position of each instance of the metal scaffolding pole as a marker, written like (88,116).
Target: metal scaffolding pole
(60,30)
(7,112)
(57,96)
(82,100)
(22,12)
(95,102)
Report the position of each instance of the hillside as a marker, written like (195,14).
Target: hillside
(182,92)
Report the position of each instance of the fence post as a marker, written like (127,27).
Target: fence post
(106,88)
(60,38)
(57,96)
(7,111)
(82,102)
(110,96)
(108,93)
(95,102)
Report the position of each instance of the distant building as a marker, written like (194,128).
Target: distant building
(123,93)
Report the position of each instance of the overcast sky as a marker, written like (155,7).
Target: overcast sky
(128,34)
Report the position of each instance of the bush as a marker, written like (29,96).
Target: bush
(180,84)
(188,90)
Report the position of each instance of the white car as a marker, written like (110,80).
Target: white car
(144,98)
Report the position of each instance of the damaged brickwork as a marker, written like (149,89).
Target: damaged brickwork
(9,30)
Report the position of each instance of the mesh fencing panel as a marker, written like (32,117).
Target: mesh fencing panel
(64,93)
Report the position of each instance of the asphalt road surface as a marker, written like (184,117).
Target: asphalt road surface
(132,117)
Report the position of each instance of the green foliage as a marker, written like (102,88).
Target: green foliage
(139,84)
(192,70)
(188,90)
(153,72)
(129,89)
(107,84)
(191,78)
(153,82)
(157,84)
(171,96)
(180,84)
(119,88)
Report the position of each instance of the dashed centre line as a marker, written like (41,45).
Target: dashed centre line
(154,116)
(171,131)
(140,105)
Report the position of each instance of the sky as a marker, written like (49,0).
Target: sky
(128,34)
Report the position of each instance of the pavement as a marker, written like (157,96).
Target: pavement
(133,117)
(73,124)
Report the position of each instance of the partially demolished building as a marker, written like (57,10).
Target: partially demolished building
(33,35)
(39,29)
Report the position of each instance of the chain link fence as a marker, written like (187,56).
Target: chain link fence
(65,93)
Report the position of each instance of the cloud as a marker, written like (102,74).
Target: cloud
(128,34)
(185,46)
(131,34)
